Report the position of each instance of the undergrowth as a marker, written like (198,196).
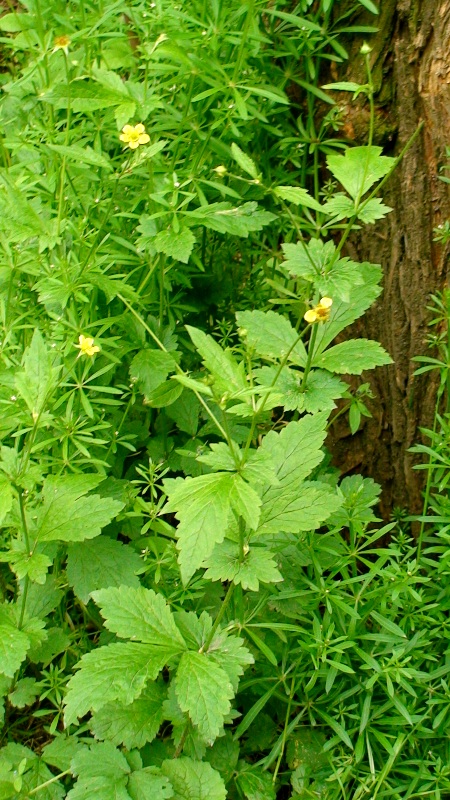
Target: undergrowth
(194,604)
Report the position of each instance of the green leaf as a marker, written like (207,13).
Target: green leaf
(223,756)
(372,210)
(178,245)
(114,672)
(203,691)
(14,643)
(316,262)
(369,5)
(387,624)
(255,784)
(165,395)
(344,86)
(359,494)
(202,507)
(67,515)
(229,652)
(131,725)
(81,155)
(25,693)
(292,505)
(6,497)
(150,368)
(33,383)
(100,563)
(13,23)
(344,312)
(148,784)
(359,168)
(100,769)
(228,375)
(352,357)
(193,780)
(139,614)
(258,565)
(271,335)
(244,161)
(186,413)
(224,218)
(299,196)
(245,502)
(320,391)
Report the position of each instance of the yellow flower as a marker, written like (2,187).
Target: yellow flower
(220,170)
(134,135)
(320,312)
(61,43)
(86,346)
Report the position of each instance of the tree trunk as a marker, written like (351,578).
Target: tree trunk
(411,69)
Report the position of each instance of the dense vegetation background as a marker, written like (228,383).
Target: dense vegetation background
(210,214)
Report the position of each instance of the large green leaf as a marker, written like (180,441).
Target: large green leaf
(359,168)
(178,244)
(224,218)
(114,672)
(139,614)
(352,357)
(34,381)
(271,335)
(204,691)
(102,773)
(193,780)
(150,368)
(258,565)
(131,725)
(149,784)
(68,515)
(6,497)
(202,506)
(99,563)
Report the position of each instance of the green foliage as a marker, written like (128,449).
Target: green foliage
(194,606)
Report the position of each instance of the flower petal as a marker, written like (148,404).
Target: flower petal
(133,144)
(144,138)
(310,315)
(139,128)
(127,129)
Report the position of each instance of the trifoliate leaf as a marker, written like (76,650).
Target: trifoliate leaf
(271,335)
(149,784)
(178,244)
(68,515)
(193,780)
(299,196)
(131,725)
(372,210)
(258,565)
(139,614)
(114,672)
(203,691)
(100,563)
(150,368)
(359,168)
(342,207)
(202,506)
(316,263)
(229,376)
(321,388)
(352,357)
(244,161)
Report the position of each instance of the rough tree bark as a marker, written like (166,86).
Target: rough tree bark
(411,67)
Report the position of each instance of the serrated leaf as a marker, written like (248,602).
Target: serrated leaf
(203,691)
(245,502)
(202,507)
(372,210)
(6,497)
(299,196)
(255,784)
(114,672)
(100,787)
(244,161)
(228,375)
(131,725)
(193,780)
(220,457)
(271,335)
(139,614)
(344,312)
(186,412)
(258,565)
(178,245)
(321,389)
(231,654)
(359,168)
(14,645)
(149,784)
(150,368)
(359,494)
(68,515)
(100,759)
(352,357)
(100,563)
(33,382)
(296,450)
(25,693)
